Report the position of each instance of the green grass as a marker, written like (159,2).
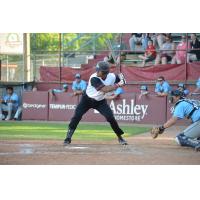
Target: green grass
(57,131)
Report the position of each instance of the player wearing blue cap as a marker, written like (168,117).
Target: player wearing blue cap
(162,87)
(78,86)
(54,91)
(185,108)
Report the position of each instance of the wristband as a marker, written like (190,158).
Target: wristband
(162,128)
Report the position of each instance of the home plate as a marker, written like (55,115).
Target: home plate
(76,147)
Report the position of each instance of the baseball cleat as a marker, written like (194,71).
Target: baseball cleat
(67,141)
(122,141)
(197,148)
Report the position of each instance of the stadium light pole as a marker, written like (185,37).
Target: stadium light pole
(60,46)
(0,70)
(26,53)
(186,57)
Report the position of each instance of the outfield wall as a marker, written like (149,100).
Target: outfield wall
(128,108)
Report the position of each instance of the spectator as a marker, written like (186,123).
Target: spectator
(117,53)
(181,87)
(166,52)
(180,56)
(10,104)
(152,36)
(54,91)
(143,91)
(138,41)
(115,60)
(160,40)
(116,94)
(150,53)
(162,87)
(195,48)
(109,58)
(78,86)
(197,89)
(34,88)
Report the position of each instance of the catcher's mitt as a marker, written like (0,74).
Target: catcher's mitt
(156,130)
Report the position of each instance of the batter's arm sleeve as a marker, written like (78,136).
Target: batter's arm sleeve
(117,79)
(96,83)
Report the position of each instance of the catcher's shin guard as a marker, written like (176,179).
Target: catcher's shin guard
(182,140)
(68,139)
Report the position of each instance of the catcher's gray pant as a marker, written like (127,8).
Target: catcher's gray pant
(193,131)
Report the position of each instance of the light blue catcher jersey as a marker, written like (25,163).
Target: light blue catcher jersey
(165,87)
(79,86)
(183,109)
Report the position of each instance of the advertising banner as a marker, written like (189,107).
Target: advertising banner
(62,106)
(35,106)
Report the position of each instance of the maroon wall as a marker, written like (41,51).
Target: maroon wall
(127,109)
(62,108)
(35,105)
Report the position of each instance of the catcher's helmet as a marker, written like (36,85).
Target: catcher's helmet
(176,93)
(103,67)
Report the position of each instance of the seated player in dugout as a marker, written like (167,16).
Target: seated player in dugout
(78,86)
(10,104)
(54,91)
(184,108)
(162,87)
(100,83)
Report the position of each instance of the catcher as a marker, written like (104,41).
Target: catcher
(183,108)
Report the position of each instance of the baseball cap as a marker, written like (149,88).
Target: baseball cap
(77,76)
(65,85)
(144,87)
(181,85)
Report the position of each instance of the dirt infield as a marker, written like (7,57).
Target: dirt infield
(141,150)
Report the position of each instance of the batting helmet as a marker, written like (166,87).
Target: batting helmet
(103,67)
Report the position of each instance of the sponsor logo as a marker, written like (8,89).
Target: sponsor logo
(36,106)
(128,111)
(62,106)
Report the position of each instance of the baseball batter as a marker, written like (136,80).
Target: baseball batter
(99,84)
(183,108)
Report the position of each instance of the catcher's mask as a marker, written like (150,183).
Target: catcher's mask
(103,67)
(175,93)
